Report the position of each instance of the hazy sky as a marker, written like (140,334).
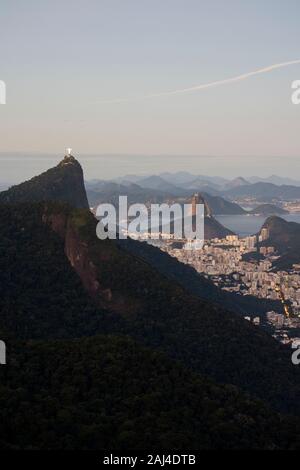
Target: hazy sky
(64,61)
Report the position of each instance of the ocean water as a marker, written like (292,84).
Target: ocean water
(244,225)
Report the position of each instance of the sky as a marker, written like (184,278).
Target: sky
(85,74)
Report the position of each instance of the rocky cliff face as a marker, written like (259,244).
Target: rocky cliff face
(89,263)
(61,183)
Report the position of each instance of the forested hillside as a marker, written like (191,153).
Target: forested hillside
(109,393)
(42,297)
(169,369)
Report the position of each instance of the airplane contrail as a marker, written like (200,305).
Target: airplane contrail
(203,86)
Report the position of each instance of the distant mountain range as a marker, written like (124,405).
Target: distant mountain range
(183,184)
(199,184)
(109,192)
(184,177)
(105,191)
(158,183)
(236,183)
(264,192)
(278,180)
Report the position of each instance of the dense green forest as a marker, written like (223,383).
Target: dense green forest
(41,296)
(107,392)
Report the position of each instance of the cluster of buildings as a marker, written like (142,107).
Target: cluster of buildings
(242,265)
(292,206)
(285,329)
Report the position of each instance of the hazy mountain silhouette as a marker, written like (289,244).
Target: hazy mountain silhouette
(265,192)
(268,210)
